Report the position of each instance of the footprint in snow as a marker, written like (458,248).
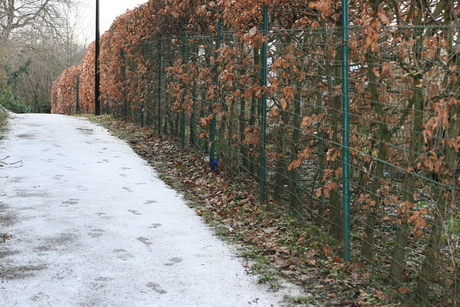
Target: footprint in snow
(122,254)
(173,261)
(156,287)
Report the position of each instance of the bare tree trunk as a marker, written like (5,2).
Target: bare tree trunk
(383,136)
(253,159)
(295,204)
(402,232)
(335,206)
(436,240)
(242,127)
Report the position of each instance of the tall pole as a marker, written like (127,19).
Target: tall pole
(263,180)
(212,149)
(97,82)
(346,132)
(160,82)
(182,111)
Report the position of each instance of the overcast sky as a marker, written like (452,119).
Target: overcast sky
(109,10)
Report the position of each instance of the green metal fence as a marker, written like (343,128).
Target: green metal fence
(272,112)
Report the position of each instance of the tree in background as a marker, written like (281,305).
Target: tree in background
(41,34)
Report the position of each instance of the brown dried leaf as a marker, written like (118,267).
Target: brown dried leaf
(253,32)
(284,103)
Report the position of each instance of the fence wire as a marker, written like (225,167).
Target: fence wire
(404,132)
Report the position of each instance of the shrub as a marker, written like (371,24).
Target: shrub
(9,102)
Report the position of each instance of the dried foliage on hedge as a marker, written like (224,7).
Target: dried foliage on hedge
(404,113)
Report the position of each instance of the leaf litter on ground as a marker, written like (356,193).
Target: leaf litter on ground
(277,246)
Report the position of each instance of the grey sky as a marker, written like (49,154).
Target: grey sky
(109,10)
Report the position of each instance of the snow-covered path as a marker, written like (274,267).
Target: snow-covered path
(92,225)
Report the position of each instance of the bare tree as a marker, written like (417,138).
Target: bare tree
(44,33)
(17,16)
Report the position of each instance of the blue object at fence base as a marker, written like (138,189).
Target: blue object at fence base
(215,165)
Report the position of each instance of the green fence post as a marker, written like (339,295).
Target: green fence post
(182,115)
(264,108)
(216,80)
(160,82)
(346,132)
(143,113)
(77,96)
(123,73)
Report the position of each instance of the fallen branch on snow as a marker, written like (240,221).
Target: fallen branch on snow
(4,237)
(3,163)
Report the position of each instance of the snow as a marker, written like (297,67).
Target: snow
(92,225)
